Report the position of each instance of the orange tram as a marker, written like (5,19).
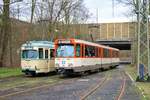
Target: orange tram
(77,56)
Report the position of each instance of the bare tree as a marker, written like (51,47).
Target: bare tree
(133,4)
(57,12)
(5,35)
(5,31)
(75,11)
(32,10)
(1,9)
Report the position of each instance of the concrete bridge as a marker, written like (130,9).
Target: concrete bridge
(123,46)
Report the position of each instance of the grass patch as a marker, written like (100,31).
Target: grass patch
(29,82)
(8,72)
(145,86)
(132,71)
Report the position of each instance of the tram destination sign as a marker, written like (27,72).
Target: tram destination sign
(64,41)
(28,47)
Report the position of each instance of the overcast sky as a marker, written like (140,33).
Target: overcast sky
(105,11)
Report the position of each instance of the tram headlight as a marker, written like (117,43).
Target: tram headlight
(56,65)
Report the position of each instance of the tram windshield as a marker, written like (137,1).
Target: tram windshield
(66,50)
(29,54)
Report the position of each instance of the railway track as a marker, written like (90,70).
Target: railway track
(66,81)
(84,95)
(35,88)
(94,88)
(122,89)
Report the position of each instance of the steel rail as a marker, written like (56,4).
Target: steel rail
(122,89)
(92,89)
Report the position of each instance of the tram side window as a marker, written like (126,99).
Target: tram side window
(41,53)
(96,52)
(106,53)
(51,53)
(82,48)
(115,54)
(46,54)
(100,52)
(90,51)
(86,51)
(93,51)
(78,48)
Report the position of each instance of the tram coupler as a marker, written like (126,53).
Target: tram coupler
(65,72)
(61,71)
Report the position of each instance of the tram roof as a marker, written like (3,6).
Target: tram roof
(90,43)
(94,44)
(48,44)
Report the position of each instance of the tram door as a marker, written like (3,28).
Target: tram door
(51,60)
(47,59)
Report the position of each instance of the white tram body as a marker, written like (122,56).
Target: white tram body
(74,56)
(37,57)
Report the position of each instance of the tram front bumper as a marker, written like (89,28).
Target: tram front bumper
(64,71)
(28,71)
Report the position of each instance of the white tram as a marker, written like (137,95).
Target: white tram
(76,56)
(37,57)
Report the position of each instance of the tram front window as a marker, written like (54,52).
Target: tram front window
(29,54)
(65,51)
